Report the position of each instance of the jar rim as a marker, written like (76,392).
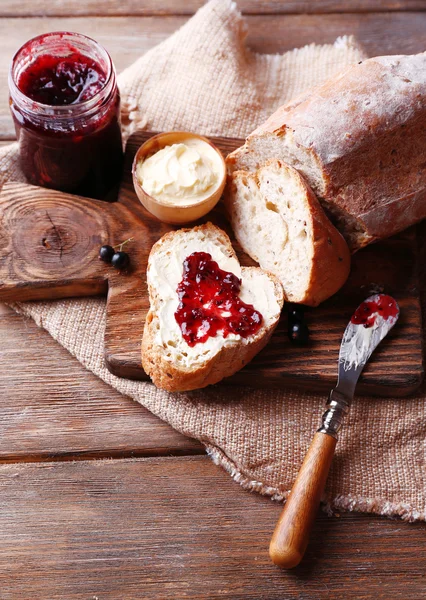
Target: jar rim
(83,107)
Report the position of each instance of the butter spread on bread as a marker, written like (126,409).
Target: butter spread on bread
(359,139)
(173,364)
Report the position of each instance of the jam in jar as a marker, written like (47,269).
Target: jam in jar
(66,108)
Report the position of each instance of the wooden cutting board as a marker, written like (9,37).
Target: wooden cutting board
(49,244)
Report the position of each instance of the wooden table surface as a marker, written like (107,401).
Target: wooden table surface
(100,499)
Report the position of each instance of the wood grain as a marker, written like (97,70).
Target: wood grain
(53,409)
(169,528)
(128,37)
(12,8)
(181,529)
(49,243)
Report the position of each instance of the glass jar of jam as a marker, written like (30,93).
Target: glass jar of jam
(65,104)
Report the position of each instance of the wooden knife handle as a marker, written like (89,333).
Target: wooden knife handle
(291,534)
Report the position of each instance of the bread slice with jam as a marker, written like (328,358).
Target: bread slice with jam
(208,315)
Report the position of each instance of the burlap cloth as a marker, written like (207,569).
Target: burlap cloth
(203,78)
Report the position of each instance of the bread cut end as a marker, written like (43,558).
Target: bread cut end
(278,144)
(280,224)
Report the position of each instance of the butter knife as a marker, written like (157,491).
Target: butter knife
(371,322)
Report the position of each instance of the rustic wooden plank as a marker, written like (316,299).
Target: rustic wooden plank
(388,33)
(180,528)
(24,8)
(128,37)
(52,408)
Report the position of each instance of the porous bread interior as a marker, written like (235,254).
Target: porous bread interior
(272,216)
(280,145)
(172,253)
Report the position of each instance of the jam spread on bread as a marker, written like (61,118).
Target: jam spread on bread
(367,312)
(209,302)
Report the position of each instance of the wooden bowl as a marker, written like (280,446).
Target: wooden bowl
(175,215)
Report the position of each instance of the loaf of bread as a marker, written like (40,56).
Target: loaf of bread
(279,222)
(360,141)
(167,358)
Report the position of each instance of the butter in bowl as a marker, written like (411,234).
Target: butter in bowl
(178,176)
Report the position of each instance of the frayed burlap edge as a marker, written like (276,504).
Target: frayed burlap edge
(329,505)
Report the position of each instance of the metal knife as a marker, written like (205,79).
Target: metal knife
(370,323)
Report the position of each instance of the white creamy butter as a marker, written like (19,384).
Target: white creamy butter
(181,174)
(165,277)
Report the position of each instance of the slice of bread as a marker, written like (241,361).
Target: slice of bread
(279,222)
(171,363)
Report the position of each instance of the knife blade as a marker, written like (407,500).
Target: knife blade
(370,323)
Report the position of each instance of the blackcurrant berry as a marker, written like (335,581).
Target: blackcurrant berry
(298,332)
(106,253)
(120,260)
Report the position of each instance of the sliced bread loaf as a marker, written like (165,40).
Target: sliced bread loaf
(278,221)
(167,358)
(359,139)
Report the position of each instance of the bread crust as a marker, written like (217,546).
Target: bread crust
(330,256)
(230,359)
(364,133)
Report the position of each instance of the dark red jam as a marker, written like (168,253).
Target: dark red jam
(57,81)
(380,305)
(209,302)
(66,108)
